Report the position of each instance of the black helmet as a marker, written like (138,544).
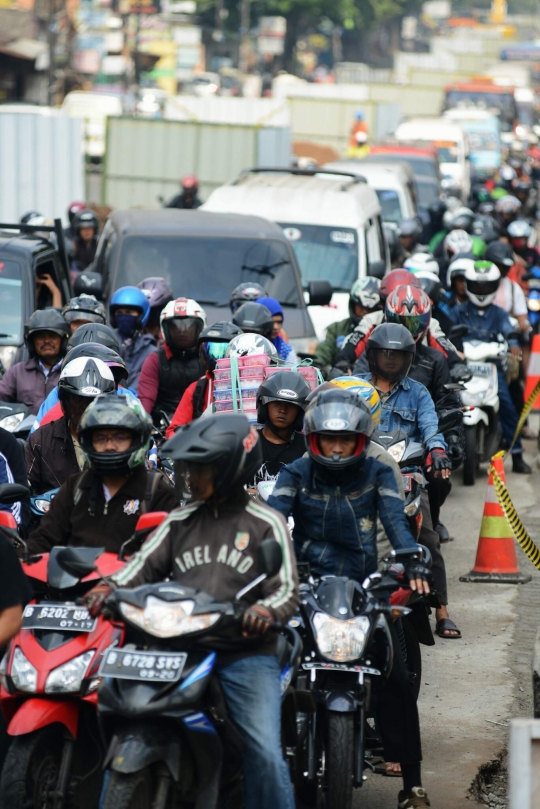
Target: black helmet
(214,341)
(254,317)
(391,337)
(337,411)
(224,440)
(283,386)
(486,228)
(248,291)
(86,377)
(410,227)
(499,253)
(85,219)
(99,352)
(85,307)
(126,413)
(95,333)
(463,220)
(45,320)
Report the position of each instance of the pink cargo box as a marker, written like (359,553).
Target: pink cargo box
(252,372)
(227,405)
(245,384)
(274,370)
(227,394)
(222,374)
(308,372)
(244,362)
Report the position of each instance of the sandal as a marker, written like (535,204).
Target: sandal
(381,769)
(447,625)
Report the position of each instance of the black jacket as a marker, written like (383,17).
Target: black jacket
(13,470)
(50,456)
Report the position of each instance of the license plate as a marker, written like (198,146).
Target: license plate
(126,664)
(407,482)
(479,369)
(57,616)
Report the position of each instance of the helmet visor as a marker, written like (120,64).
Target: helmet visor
(390,364)
(417,325)
(335,417)
(482,288)
(182,332)
(212,352)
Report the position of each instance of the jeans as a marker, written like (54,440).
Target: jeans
(253,695)
(508,415)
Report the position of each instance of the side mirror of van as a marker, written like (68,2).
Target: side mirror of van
(320,293)
(89,283)
(377,269)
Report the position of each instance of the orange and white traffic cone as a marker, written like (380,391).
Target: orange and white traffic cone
(533,373)
(496,559)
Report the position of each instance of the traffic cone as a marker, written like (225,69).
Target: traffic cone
(496,559)
(533,373)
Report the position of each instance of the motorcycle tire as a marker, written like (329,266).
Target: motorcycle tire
(413,660)
(339,760)
(131,791)
(31,769)
(470,460)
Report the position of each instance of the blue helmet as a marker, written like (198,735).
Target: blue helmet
(129,296)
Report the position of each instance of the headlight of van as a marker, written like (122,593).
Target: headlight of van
(167,619)
(341,641)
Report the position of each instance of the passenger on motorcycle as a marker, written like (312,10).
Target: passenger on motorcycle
(159,293)
(254,318)
(455,277)
(485,322)
(364,298)
(169,371)
(99,507)
(86,228)
(211,544)
(243,293)
(129,310)
(335,497)
(285,351)
(522,239)
(83,309)
(507,210)
(198,397)
(409,232)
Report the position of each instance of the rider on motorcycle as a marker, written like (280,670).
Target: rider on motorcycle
(159,293)
(83,309)
(129,310)
(245,292)
(335,497)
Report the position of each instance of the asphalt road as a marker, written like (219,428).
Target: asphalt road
(468,688)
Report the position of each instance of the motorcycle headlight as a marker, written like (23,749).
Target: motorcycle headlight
(413,507)
(397,450)
(340,640)
(23,673)
(67,679)
(532,303)
(42,505)
(168,619)
(12,421)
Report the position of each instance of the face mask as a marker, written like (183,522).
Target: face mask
(126,324)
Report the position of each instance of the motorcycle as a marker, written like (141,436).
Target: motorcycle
(347,645)
(161,712)
(533,298)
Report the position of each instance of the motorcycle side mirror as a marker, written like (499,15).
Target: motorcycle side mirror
(12,493)
(457,331)
(145,524)
(377,269)
(454,387)
(270,557)
(320,293)
(71,562)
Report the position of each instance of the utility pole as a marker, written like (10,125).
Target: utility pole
(245,18)
(51,39)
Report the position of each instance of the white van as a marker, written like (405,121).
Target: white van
(332,220)
(392,182)
(450,141)
(94,108)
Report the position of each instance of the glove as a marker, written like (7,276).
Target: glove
(418,570)
(96,598)
(440,460)
(257,620)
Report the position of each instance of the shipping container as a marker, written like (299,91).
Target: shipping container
(228,110)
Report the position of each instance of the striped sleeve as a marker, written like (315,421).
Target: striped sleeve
(281,594)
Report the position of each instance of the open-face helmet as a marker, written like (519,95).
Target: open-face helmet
(86,308)
(45,320)
(283,386)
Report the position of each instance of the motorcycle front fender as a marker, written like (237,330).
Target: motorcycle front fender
(474,417)
(138,746)
(341,702)
(38,713)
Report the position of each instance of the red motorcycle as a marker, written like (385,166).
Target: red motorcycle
(49,681)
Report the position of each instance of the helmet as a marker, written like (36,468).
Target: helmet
(243,293)
(246,344)
(85,376)
(396,278)
(85,219)
(486,228)
(364,292)
(126,413)
(412,308)
(459,267)
(462,219)
(410,228)
(453,203)
(284,386)
(457,241)
(431,285)
(500,252)
(482,283)
(84,307)
(157,290)
(507,175)
(225,441)
(254,317)
(337,411)
(214,341)
(422,261)
(74,209)
(134,298)
(519,229)
(95,333)
(27,218)
(182,321)
(390,337)
(190,183)
(508,206)
(365,389)
(100,352)
(45,320)
(437,208)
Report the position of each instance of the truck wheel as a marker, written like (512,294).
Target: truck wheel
(132,791)
(31,769)
(470,459)
(339,760)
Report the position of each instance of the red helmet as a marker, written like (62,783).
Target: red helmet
(397,278)
(190,183)
(74,209)
(410,307)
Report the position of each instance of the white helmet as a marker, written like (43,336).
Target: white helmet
(245,344)
(422,262)
(457,241)
(459,266)
(181,322)
(483,280)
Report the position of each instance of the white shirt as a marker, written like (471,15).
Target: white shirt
(510,297)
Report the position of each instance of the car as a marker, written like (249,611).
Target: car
(421,160)
(205,256)
(26,253)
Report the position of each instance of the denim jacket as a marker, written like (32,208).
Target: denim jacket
(410,408)
(335,527)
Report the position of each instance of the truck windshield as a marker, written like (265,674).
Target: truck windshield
(324,253)
(209,269)
(10,303)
